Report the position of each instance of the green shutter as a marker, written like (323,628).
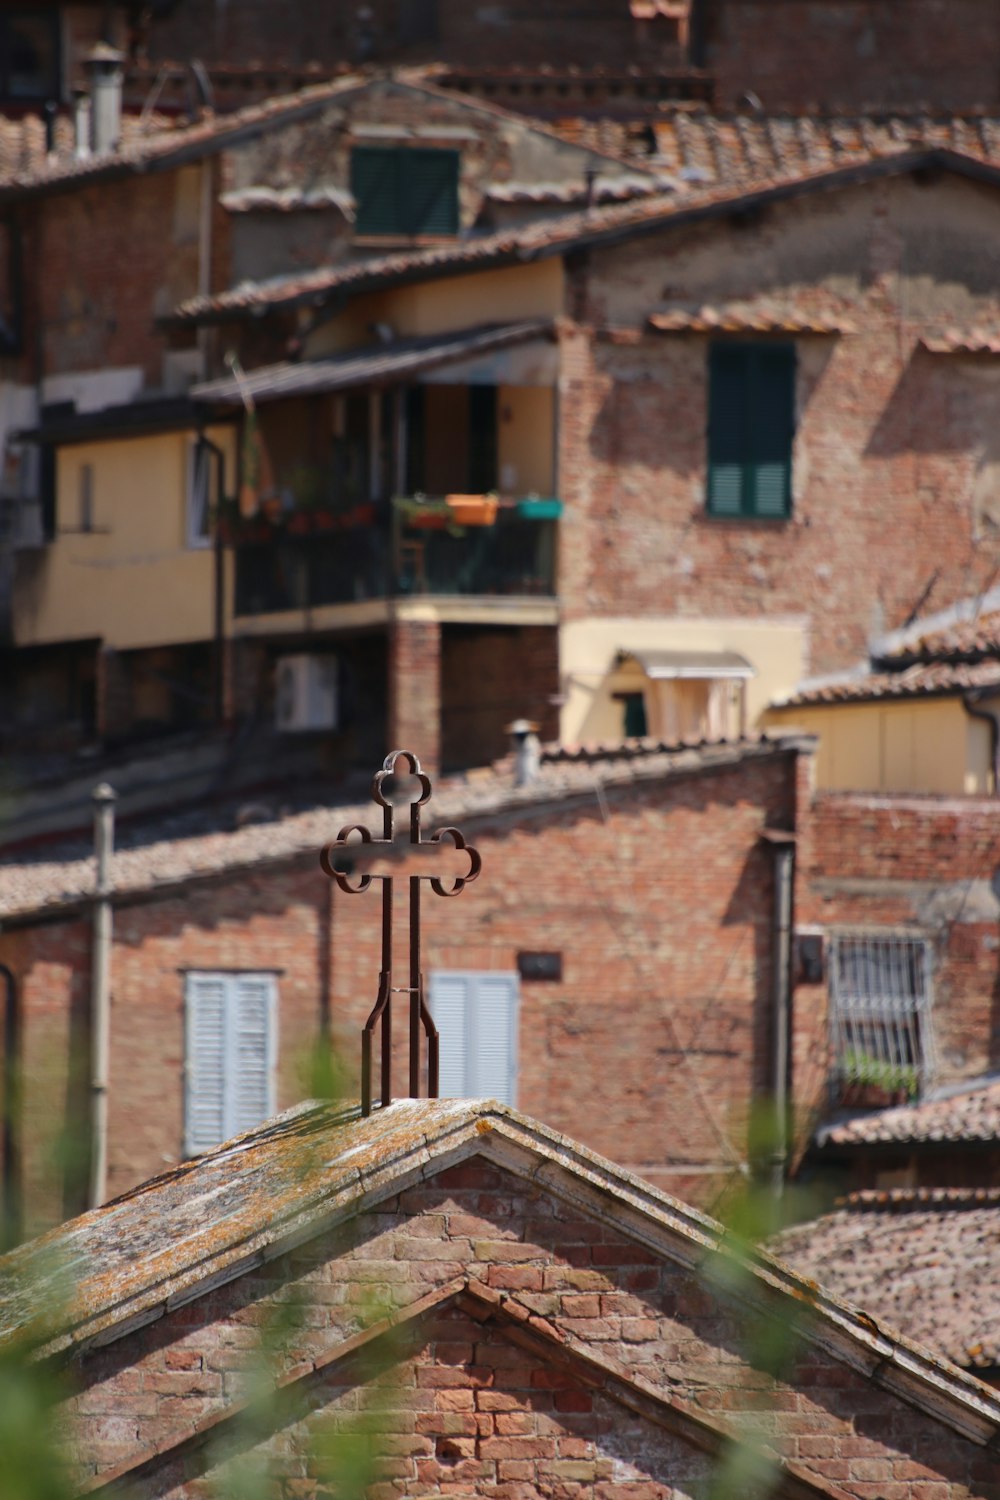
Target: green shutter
(405,192)
(374,184)
(635,716)
(771,423)
(750,429)
(727,434)
(429,182)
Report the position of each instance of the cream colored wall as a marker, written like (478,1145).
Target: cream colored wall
(532,291)
(589,648)
(132,581)
(929,746)
(526,439)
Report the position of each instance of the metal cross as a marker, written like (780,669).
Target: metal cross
(354,853)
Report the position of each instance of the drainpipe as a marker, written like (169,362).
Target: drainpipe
(782,846)
(10,1204)
(219,585)
(103,798)
(969,703)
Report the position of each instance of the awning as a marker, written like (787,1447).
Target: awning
(379,364)
(663,665)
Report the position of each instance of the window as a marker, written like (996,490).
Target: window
(198,507)
(751,423)
(29,53)
(403,191)
(634,725)
(880,1011)
(230,1055)
(476,1016)
(86,497)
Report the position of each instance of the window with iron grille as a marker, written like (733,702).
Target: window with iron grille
(751,424)
(405,190)
(880,1011)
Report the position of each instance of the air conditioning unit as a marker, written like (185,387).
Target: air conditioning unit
(306,695)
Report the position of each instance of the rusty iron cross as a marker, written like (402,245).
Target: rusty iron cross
(445,857)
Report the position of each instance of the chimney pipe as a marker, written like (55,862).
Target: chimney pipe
(104,69)
(81,124)
(527,750)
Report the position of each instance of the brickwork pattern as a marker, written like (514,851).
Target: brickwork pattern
(444,1424)
(415,690)
(658,900)
(489,678)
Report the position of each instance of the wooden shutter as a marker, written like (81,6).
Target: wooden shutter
(375,187)
(230,1056)
(429,188)
(727,428)
(205,1063)
(771,391)
(493,1038)
(450,996)
(476,1016)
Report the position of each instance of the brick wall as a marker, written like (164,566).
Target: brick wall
(658,898)
(488,678)
(414,720)
(855,54)
(929,866)
(462,1405)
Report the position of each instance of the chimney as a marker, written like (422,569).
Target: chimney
(104,69)
(81,124)
(527,750)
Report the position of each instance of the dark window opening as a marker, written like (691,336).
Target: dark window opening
(405,191)
(751,424)
(634,715)
(29,54)
(452,439)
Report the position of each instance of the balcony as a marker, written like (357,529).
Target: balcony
(387,550)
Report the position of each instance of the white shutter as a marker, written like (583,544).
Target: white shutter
(230,1056)
(476,1016)
(492,1027)
(205,1053)
(250,1051)
(449,1002)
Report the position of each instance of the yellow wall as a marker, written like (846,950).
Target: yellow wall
(928,746)
(132,581)
(532,291)
(589,648)
(526,439)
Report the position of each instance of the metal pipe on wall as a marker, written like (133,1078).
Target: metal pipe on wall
(782,847)
(10,1200)
(103,798)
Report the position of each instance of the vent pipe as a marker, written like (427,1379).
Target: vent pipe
(81,124)
(527,750)
(104,69)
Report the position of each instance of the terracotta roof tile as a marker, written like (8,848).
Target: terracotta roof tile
(30,887)
(750,317)
(954,341)
(930,1268)
(961,1116)
(923,679)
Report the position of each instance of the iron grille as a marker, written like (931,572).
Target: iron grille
(880,1011)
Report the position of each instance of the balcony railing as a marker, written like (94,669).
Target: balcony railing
(401,552)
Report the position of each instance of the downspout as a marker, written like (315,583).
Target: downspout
(219,584)
(103,798)
(782,847)
(10,1199)
(969,702)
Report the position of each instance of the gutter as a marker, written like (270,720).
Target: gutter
(970,702)
(782,847)
(100,994)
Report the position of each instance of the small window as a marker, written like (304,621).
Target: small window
(230,1056)
(29,53)
(476,1017)
(751,424)
(405,192)
(880,1012)
(86,497)
(634,726)
(198,506)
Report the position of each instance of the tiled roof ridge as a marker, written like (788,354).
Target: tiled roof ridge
(27,891)
(902,1200)
(968,1114)
(294,1181)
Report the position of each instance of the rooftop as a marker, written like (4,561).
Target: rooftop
(919,1259)
(124,1265)
(959,1114)
(161,861)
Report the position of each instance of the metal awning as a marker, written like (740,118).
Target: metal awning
(379,364)
(662,665)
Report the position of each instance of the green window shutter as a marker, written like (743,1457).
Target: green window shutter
(429,185)
(771,424)
(727,428)
(375,187)
(751,422)
(635,716)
